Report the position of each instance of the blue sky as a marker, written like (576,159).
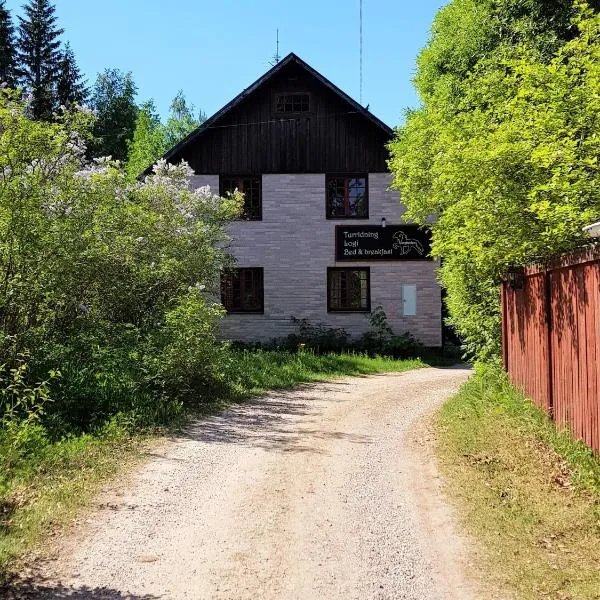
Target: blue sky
(212,50)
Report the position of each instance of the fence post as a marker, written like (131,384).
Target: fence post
(504,328)
(549,326)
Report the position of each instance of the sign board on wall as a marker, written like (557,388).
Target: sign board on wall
(374,242)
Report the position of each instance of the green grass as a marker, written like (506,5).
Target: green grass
(49,486)
(530,494)
(46,490)
(253,372)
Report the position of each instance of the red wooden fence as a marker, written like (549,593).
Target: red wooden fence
(551,340)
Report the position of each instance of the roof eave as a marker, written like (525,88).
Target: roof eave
(291,57)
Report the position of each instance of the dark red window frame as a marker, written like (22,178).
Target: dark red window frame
(250,186)
(348,289)
(243,290)
(341,196)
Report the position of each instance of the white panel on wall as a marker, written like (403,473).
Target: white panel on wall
(409,300)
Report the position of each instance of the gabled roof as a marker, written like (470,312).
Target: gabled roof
(289,59)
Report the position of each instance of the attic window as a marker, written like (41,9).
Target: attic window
(292,103)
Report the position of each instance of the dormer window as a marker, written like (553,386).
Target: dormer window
(292,103)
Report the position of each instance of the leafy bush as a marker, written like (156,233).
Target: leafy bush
(381,340)
(186,360)
(22,406)
(317,337)
(109,281)
(320,339)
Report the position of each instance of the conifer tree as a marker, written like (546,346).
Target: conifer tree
(70,86)
(8,51)
(39,56)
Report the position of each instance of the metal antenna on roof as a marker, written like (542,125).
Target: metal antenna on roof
(276,58)
(361,51)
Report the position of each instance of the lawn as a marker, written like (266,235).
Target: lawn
(529,494)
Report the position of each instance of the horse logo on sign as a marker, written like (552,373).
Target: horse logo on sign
(405,245)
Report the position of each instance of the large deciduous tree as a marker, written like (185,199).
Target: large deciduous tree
(148,143)
(8,50)
(504,149)
(39,56)
(113,99)
(181,120)
(151,139)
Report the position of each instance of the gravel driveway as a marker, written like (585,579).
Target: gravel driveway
(326,492)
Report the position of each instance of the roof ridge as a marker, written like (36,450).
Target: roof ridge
(291,57)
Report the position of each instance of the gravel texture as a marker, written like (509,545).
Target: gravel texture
(325,492)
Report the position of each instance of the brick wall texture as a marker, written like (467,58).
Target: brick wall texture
(295,244)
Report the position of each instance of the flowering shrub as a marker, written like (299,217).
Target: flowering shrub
(112,282)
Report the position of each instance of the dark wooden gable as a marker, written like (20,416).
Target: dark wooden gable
(248,136)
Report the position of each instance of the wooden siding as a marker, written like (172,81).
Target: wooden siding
(551,341)
(252,138)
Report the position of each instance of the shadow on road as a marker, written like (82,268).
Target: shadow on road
(282,421)
(41,590)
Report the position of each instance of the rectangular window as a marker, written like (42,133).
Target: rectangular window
(347,197)
(348,290)
(242,290)
(292,103)
(250,187)
(409,300)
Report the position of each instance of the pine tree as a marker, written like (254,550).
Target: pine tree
(39,55)
(8,51)
(70,86)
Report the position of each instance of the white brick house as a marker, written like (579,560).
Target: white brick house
(312,164)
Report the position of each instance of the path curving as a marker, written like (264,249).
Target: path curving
(325,492)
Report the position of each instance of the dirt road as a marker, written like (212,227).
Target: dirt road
(327,492)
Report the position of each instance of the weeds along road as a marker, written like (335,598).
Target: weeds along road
(326,492)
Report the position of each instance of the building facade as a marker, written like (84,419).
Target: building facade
(322,237)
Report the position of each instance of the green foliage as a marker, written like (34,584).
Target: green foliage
(489,395)
(148,143)
(181,120)
(187,361)
(22,406)
(248,373)
(113,99)
(151,139)
(39,56)
(381,339)
(97,273)
(465,32)
(319,338)
(510,170)
(462,32)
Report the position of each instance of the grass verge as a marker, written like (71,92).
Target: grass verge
(44,491)
(528,492)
